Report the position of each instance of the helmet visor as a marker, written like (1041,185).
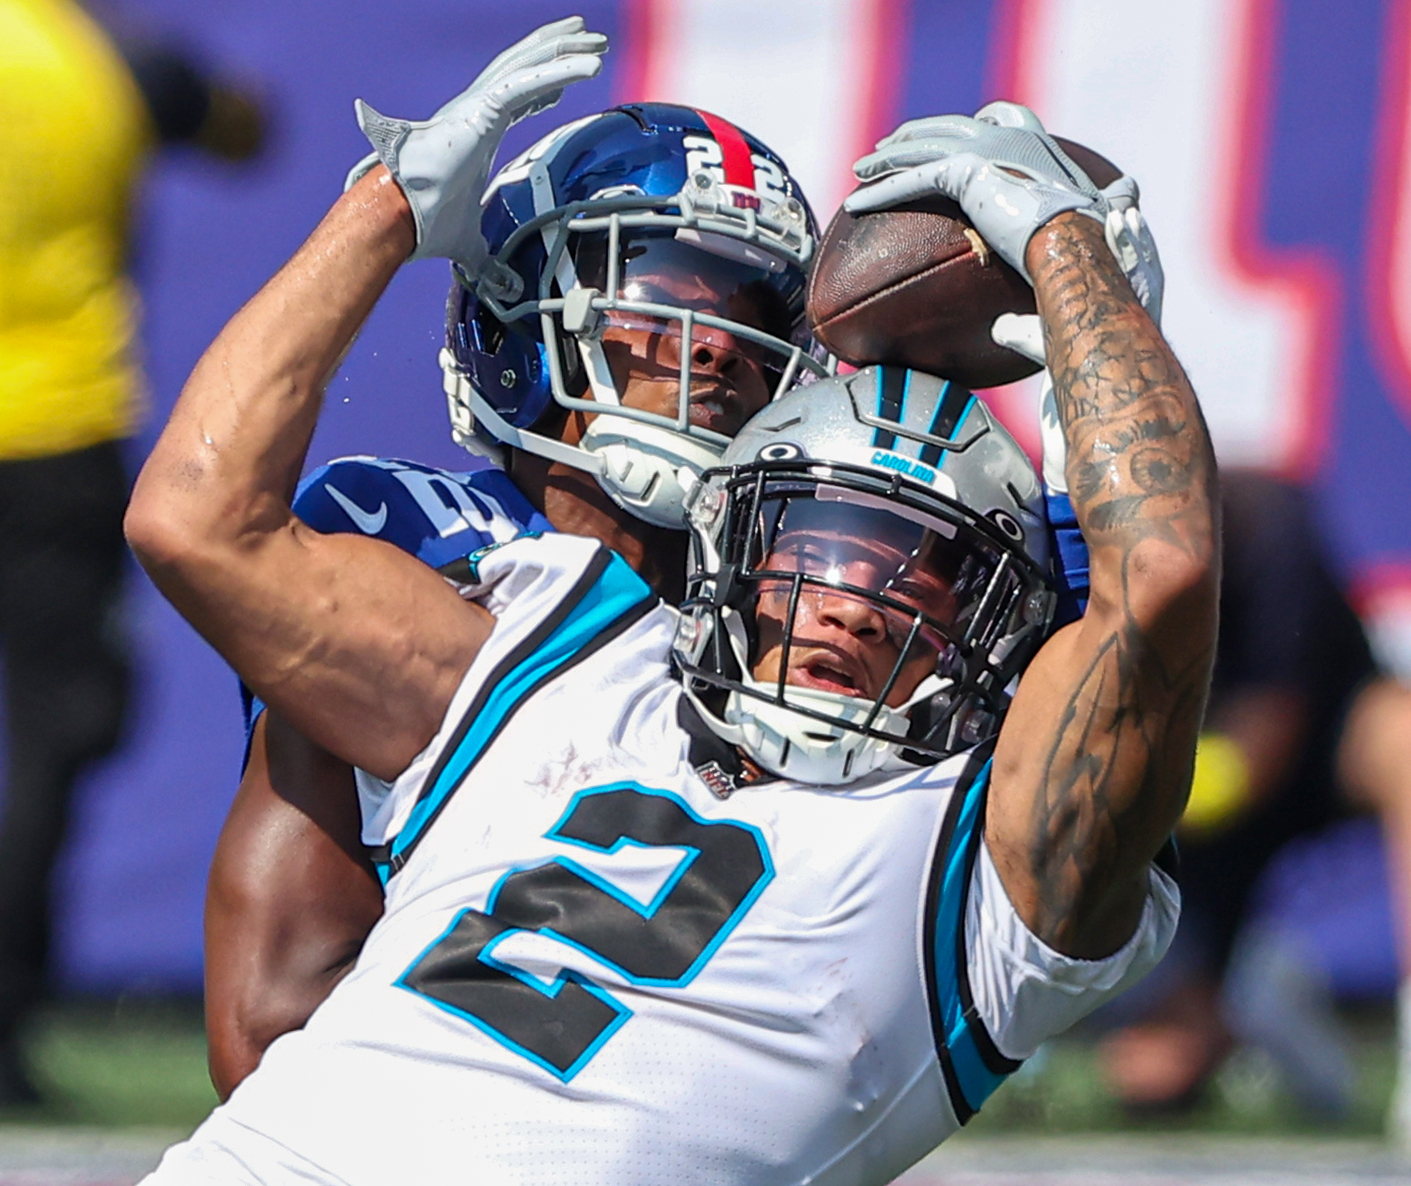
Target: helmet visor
(888,594)
(712,274)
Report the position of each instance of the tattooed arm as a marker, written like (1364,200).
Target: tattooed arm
(1094,760)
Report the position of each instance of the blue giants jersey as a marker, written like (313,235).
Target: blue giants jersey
(437,516)
(440,517)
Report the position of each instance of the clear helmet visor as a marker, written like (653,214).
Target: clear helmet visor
(743,299)
(858,599)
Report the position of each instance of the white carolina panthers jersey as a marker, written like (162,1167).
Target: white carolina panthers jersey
(596,969)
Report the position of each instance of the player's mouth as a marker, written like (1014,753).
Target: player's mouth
(717,407)
(831,671)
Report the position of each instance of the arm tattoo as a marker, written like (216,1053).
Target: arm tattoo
(1139,459)
(1141,475)
(1120,755)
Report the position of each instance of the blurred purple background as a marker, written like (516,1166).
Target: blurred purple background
(208,236)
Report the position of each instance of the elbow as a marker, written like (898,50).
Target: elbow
(180,534)
(1159,584)
(229,1061)
(167,535)
(157,537)
(1169,577)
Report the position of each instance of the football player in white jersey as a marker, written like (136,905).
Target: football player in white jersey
(291,894)
(595,968)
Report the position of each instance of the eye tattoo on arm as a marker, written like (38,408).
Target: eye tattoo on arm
(1142,479)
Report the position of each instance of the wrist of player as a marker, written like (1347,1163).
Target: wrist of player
(381,200)
(441,176)
(1059,236)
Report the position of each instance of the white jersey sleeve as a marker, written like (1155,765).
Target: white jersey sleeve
(1024,991)
(996,990)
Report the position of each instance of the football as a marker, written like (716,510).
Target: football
(916,286)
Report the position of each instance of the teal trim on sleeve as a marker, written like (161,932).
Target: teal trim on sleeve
(610,595)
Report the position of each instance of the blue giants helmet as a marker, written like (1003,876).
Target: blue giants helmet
(648,217)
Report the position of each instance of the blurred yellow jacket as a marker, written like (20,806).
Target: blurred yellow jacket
(76,133)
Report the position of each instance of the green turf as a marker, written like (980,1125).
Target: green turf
(133,1062)
(1064,1094)
(143,1062)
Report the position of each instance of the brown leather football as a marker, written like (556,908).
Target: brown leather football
(916,286)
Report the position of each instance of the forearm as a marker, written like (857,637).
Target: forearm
(226,464)
(1140,469)
(1099,745)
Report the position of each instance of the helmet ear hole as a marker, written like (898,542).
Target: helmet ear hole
(491,332)
(575,377)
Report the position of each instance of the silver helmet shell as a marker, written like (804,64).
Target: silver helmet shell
(900,443)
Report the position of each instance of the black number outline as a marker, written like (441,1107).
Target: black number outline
(459,966)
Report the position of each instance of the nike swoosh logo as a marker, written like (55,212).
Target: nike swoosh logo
(369,522)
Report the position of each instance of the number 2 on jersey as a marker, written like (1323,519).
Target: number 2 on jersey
(560,1026)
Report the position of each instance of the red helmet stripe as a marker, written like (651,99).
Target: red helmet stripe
(735,153)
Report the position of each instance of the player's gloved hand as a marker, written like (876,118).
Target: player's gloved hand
(443,163)
(1005,171)
(1131,243)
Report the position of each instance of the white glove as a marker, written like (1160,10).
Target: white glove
(1003,169)
(443,163)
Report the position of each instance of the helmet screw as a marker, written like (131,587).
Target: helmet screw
(791,205)
(508,378)
(702,180)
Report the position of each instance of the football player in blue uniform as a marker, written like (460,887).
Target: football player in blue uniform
(629,291)
(604,961)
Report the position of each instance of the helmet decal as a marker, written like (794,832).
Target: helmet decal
(735,163)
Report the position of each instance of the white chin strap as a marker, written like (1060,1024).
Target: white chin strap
(644,468)
(803,749)
(648,470)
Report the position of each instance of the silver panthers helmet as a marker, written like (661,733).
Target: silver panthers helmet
(886,502)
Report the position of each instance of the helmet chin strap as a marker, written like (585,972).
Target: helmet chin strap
(808,750)
(645,469)
(800,747)
(463,399)
(648,470)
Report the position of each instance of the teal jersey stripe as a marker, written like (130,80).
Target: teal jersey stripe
(615,598)
(974,1068)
